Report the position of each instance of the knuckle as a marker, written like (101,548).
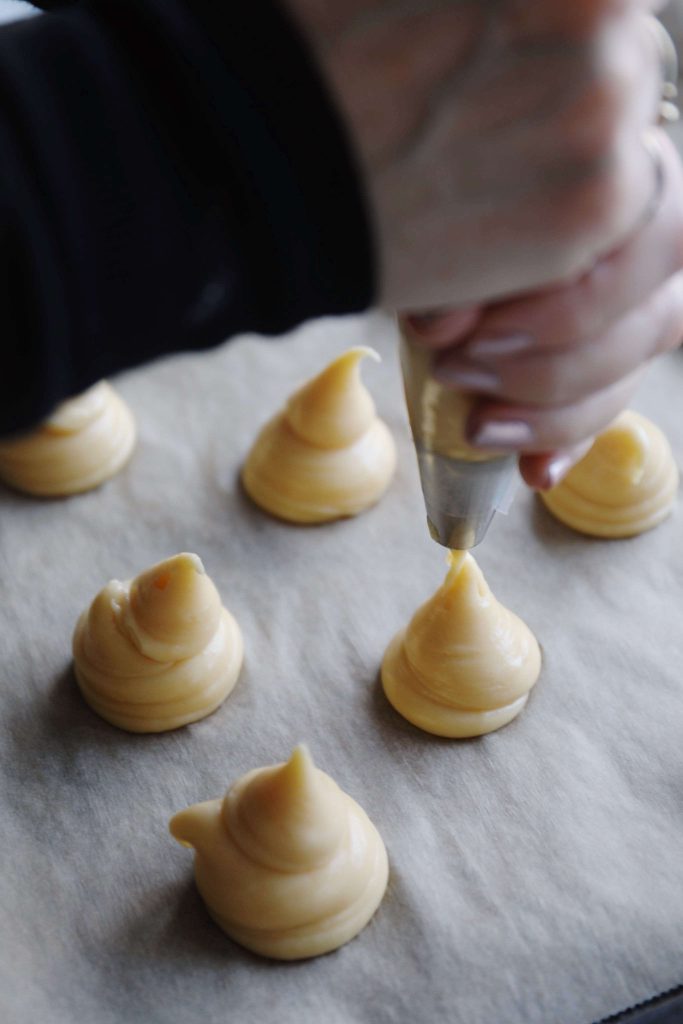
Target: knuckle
(586,219)
(605,206)
(611,76)
(554,385)
(542,381)
(593,123)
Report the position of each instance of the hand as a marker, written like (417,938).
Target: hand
(500,141)
(557,366)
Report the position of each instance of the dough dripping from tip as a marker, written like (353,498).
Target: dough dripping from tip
(465,664)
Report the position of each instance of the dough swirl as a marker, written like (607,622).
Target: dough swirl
(85,441)
(464,665)
(326,455)
(625,485)
(287,863)
(159,651)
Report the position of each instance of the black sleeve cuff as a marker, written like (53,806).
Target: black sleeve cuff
(172,172)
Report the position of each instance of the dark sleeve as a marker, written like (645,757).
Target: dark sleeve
(172,172)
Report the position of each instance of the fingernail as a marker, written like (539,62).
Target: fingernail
(556,470)
(505,434)
(499,345)
(467,379)
(558,467)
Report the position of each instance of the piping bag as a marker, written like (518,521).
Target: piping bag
(463,487)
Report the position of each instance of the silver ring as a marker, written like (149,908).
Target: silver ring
(668,61)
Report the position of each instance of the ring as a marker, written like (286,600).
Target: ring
(668,60)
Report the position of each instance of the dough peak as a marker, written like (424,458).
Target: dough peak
(624,449)
(464,579)
(334,408)
(174,608)
(76,413)
(290,813)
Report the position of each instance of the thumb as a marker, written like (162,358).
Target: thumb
(548,469)
(440,330)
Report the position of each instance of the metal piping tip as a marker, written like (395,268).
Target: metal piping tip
(462,497)
(458,533)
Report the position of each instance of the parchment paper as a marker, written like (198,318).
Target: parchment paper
(536,874)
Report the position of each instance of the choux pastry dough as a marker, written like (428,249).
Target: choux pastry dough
(85,441)
(465,664)
(287,863)
(326,454)
(626,484)
(159,651)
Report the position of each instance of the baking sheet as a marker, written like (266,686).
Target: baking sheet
(536,873)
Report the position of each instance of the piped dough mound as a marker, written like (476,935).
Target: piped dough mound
(464,665)
(326,455)
(289,866)
(626,484)
(85,441)
(159,651)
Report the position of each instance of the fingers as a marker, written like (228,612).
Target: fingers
(561,377)
(535,430)
(547,469)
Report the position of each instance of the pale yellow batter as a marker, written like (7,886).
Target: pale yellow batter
(287,863)
(159,651)
(85,441)
(626,484)
(326,454)
(465,664)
